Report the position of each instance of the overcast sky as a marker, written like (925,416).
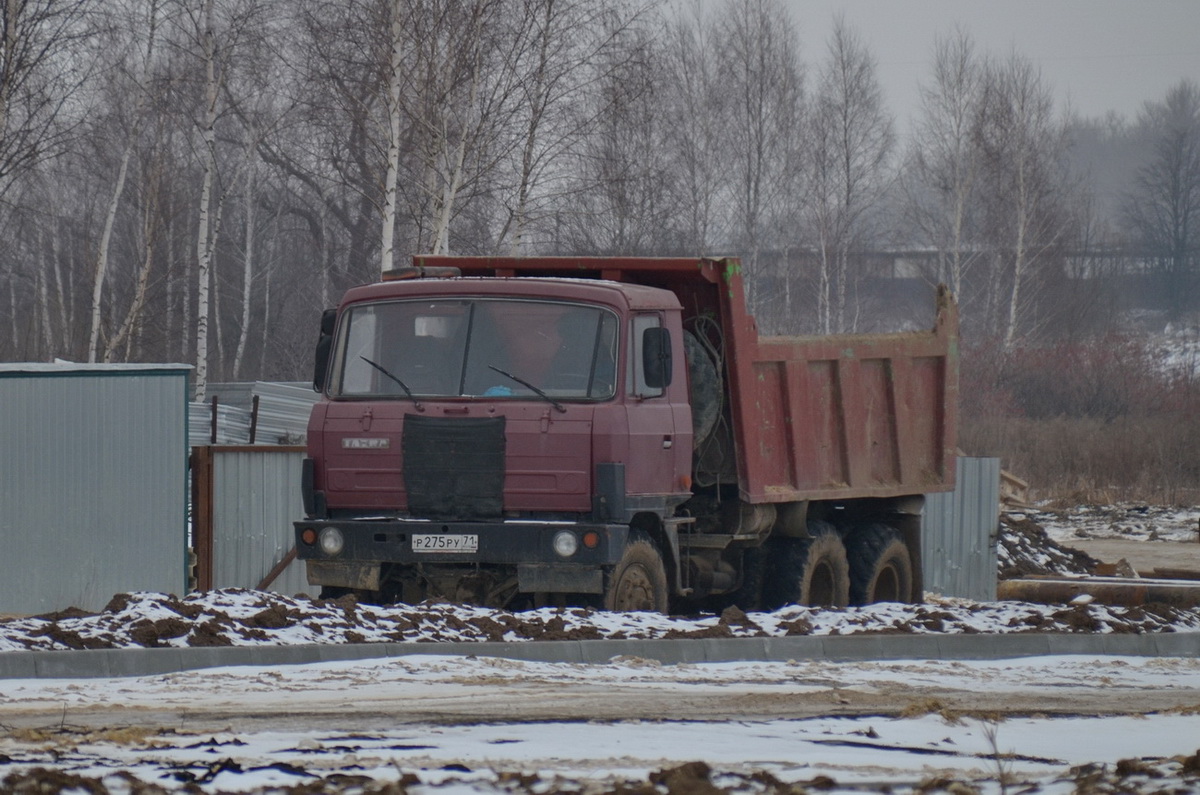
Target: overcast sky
(1099,55)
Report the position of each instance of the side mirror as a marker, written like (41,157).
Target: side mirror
(324,347)
(656,357)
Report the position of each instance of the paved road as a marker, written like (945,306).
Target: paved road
(382,694)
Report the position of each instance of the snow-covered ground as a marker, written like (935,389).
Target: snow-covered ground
(1174,344)
(1129,521)
(1178,347)
(902,751)
(465,724)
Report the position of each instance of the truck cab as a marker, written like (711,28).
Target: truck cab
(494,440)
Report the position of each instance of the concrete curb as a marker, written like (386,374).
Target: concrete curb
(148,662)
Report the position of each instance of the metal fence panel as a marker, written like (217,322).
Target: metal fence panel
(960,533)
(255,498)
(93,483)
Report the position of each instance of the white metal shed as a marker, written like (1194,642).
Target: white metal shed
(93,483)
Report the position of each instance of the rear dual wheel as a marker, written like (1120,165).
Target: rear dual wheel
(809,571)
(881,569)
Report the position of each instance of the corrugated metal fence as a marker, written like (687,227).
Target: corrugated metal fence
(960,533)
(246,499)
(93,490)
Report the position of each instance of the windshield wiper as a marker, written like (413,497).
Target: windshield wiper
(525,383)
(403,385)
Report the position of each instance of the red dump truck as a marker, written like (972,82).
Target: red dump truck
(520,432)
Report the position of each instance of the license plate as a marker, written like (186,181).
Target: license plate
(443,542)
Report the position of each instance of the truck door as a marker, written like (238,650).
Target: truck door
(652,435)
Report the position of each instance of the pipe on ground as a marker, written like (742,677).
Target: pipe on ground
(1109,591)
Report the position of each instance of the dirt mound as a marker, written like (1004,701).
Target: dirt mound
(1026,549)
(239,617)
(1155,774)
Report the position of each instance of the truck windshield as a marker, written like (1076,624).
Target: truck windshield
(457,348)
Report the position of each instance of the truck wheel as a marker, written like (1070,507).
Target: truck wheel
(809,571)
(639,580)
(880,567)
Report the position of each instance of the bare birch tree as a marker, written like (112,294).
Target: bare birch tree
(394,111)
(208,154)
(139,87)
(1023,146)
(217,41)
(620,203)
(942,177)
(700,111)
(851,141)
(764,78)
(460,104)
(552,51)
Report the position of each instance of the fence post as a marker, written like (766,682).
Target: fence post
(202,515)
(253,419)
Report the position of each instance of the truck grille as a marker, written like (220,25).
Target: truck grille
(454,468)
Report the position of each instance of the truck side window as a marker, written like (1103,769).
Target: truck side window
(361,340)
(635,374)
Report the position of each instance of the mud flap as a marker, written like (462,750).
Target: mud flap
(558,578)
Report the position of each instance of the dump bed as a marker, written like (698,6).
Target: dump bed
(814,418)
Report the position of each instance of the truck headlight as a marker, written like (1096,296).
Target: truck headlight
(332,541)
(565,543)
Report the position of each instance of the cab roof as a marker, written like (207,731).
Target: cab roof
(621,295)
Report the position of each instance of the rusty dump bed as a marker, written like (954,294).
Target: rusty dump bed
(814,418)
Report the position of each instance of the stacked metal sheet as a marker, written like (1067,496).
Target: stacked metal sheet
(233,424)
(282,414)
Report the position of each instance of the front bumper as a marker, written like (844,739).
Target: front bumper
(527,546)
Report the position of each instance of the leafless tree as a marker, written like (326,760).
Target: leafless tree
(1023,145)
(700,125)
(1163,209)
(764,79)
(404,114)
(206,237)
(252,94)
(394,112)
(46,58)
(552,51)
(943,168)
(326,147)
(619,202)
(461,99)
(214,33)
(851,140)
(41,68)
(139,86)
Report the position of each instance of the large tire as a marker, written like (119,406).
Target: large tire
(639,580)
(809,571)
(880,567)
